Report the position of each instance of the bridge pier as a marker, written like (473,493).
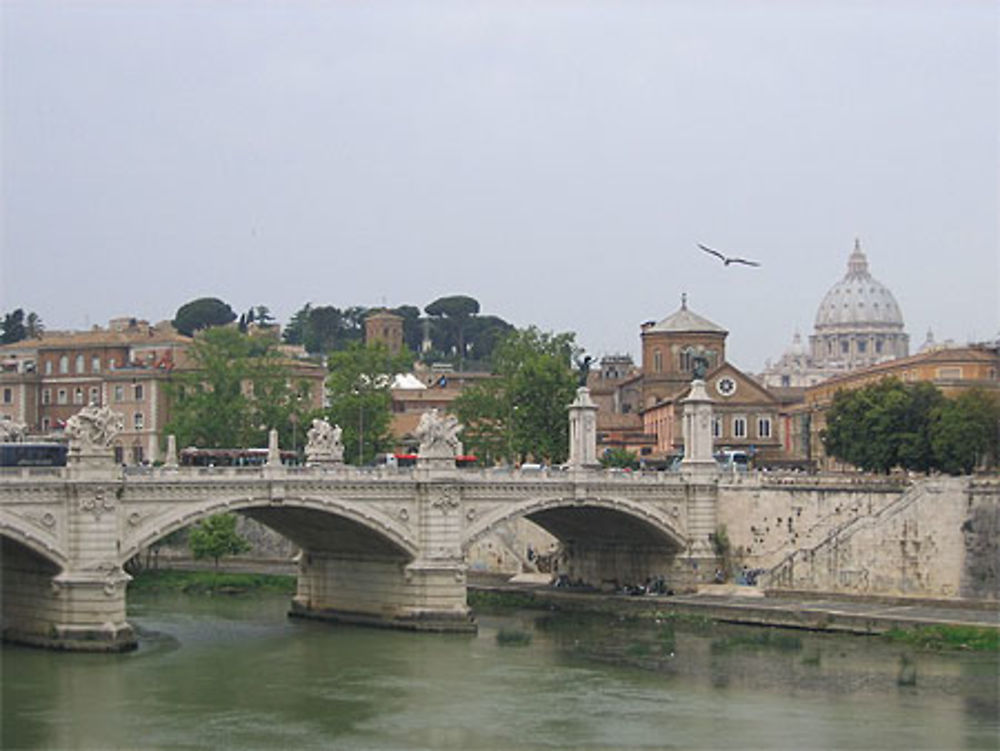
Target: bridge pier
(81,611)
(380,590)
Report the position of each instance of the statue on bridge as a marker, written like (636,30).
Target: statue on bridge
(324,445)
(438,435)
(92,429)
(12,431)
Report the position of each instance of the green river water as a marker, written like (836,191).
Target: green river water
(235,672)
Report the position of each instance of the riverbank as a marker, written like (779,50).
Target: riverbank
(919,623)
(211,582)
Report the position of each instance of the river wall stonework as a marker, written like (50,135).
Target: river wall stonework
(938,539)
(766,520)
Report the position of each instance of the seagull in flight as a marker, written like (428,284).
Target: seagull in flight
(727,260)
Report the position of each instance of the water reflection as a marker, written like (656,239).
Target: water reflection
(236,673)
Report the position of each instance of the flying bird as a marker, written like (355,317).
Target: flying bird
(727,260)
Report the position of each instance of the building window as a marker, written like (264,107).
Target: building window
(878,346)
(79,364)
(138,421)
(8,396)
(95,364)
(717,427)
(45,423)
(138,392)
(862,345)
(48,367)
(119,454)
(119,393)
(78,395)
(685,359)
(137,454)
(95,396)
(739,427)
(845,347)
(950,373)
(763,427)
(657,361)
(786,381)
(64,364)
(62,397)
(46,396)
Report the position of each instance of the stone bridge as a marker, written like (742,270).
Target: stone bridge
(381,546)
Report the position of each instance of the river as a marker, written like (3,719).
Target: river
(235,672)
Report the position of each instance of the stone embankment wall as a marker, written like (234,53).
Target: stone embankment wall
(941,538)
(768,517)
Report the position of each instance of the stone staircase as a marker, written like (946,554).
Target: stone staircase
(891,551)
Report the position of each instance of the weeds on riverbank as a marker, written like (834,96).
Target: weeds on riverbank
(971,638)
(211,582)
(766,639)
(513,637)
(491,600)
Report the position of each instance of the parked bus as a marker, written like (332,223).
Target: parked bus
(255,457)
(32,454)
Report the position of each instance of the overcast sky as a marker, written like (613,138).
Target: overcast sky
(557,160)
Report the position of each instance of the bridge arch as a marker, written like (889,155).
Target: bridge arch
(20,531)
(309,521)
(554,514)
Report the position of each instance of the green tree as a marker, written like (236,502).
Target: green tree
(883,425)
(216,537)
(620,457)
(239,388)
(964,432)
(201,314)
(522,413)
(451,316)
(33,326)
(295,331)
(413,329)
(13,327)
(359,386)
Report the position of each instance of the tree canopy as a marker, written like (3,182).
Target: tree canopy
(359,386)
(522,413)
(453,314)
(16,327)
(201,314)
(326,328)
(13,327)
(216,537)
(912,426)
(238,390)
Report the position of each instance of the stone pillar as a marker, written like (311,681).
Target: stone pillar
(583,430)
(171,458)
(273,452)
(701,472)
(698,458)
(88,609)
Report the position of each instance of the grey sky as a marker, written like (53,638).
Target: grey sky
(556,160)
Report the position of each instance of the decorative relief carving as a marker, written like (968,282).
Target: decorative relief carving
(446,499)
(404,514)
(98,504)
